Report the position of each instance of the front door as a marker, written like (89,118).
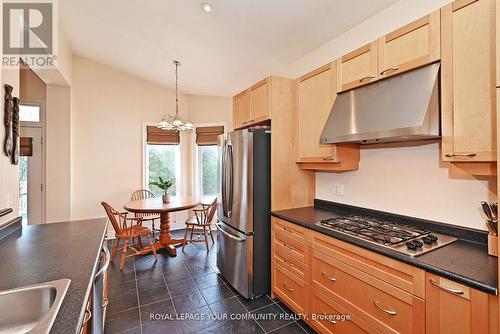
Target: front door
(31,176)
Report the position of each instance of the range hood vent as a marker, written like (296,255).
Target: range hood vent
(400,108)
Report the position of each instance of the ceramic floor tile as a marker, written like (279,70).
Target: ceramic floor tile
(122,321)
(216,293)
(153,295)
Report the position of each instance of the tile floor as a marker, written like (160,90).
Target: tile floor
(186,294)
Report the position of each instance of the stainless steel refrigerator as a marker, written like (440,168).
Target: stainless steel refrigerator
(243,210)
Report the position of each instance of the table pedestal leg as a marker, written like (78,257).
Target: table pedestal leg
(166,240)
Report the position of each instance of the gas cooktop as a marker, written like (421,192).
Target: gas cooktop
(402,238)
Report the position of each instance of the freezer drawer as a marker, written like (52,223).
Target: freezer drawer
(235,259)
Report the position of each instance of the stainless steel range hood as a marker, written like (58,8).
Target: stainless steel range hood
(401,108)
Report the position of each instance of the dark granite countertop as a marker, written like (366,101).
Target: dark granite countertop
(463,261)
(47,252)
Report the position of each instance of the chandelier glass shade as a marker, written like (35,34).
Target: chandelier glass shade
(173,122)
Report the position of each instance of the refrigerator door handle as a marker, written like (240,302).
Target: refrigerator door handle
(223,179)
(228,235)
(229,163)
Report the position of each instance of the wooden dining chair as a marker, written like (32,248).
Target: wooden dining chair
(146,217)
(127,229)
(201,221)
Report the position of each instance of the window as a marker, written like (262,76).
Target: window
(208,160)
(162,160)
(29,113)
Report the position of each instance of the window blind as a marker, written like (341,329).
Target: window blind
(159,136)
(207,135)
(26,147)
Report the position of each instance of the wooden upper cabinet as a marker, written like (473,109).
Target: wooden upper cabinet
(357,68)
(411,46)
(458,309)
(241,109)
(252,105)
(316,92)
(259,101)
(468,81)
(497,19)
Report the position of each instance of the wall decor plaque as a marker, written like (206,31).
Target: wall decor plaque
(7,120)
(15,131)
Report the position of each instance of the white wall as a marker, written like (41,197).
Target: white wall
(9,174)
(410,181)
(58,145)
(110,107)
(209,109)
(405,180)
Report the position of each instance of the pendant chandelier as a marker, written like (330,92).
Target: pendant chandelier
(173,122)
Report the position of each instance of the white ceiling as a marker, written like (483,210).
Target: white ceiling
(221,53)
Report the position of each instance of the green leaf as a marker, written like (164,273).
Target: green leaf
(159,185)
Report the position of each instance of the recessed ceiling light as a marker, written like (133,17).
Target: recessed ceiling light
(207,7)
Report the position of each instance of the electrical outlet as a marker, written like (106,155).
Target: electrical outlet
(339,189)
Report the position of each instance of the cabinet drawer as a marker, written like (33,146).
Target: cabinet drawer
(327,316)
(381,305)
(293,231)
(283,243)
(291,263)
(291,289)
(399,274)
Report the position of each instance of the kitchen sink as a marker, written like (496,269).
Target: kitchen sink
(31,309)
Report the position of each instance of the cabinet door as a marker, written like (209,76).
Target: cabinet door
(411,46)
(455,308)
(316,94)
(497,19)
(329,317)
(241,109)
(259,101)
(468,78)
(357,68)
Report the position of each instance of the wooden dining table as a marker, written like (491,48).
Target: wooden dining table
(156,206)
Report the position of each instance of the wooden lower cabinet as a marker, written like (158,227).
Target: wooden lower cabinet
(327,316)
(342,288)
(383,306)
(458,309)
(289,288)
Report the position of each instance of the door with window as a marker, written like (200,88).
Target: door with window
(31,177)
(31,163)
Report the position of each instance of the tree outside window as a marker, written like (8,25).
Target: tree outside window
(209,161)
(163,160)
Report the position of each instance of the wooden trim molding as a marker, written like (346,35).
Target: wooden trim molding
(315,72)
(407,28)
(457,4)
(353,54)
